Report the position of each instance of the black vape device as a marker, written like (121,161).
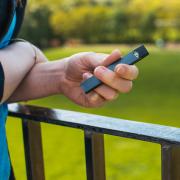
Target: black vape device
(131,58)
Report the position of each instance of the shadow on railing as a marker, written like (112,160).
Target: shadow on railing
(94,128)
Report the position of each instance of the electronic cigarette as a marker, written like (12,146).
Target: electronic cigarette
(131,58)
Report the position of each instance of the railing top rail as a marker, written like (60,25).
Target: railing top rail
(106,125)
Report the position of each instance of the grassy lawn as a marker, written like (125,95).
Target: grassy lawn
(154,99)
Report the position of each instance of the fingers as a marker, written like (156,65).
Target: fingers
(114,56)
(104,91)
(94,99)
(92,60)
(111,79)
(119,81)
(107,92)
(127,72)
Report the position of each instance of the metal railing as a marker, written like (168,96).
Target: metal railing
(94,128)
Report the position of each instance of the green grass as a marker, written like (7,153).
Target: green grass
(154,99)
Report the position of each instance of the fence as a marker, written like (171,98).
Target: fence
(94,128)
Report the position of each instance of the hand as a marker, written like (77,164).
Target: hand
(81,66)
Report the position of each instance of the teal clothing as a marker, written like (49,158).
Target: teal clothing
(11,18)
(5,165)
(5,41)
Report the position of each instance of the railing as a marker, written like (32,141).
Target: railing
(94,128)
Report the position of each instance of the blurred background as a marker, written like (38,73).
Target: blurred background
(65,27)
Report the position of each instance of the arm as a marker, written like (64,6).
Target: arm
(17,60)
(43,80)
(65,76)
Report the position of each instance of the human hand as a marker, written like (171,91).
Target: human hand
(83,65)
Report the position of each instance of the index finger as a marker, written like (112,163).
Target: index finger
(114,56)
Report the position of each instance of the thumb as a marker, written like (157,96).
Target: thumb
(114,56)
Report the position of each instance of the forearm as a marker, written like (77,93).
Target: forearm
(43,80)
(17,60)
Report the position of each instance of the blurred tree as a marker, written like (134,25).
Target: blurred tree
(91,24)
(81,2)
(108,3)
(98,21)
(120,26)
(148,27)
(62,24)
(37,28)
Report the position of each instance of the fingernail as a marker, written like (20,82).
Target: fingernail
(87,75)
(101,69)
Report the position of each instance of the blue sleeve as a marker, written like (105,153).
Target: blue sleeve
(1,81)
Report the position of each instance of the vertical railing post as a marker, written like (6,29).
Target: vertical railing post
(33,150)
(170,162)
(95,157)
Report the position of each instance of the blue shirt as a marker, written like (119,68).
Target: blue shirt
(5,166)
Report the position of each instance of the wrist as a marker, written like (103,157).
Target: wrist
(57,70)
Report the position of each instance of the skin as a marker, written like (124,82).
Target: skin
(83,65)
(17,60)
(64,77)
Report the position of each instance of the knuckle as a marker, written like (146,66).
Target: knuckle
(87,56)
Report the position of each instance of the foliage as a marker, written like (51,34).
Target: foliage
(87,23)
(93,21)
(37,28)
